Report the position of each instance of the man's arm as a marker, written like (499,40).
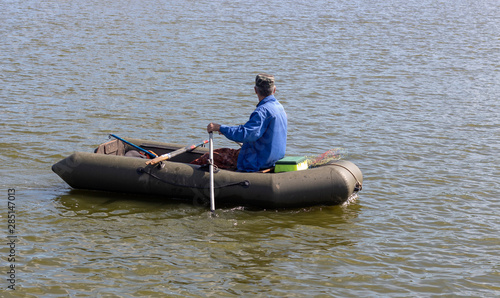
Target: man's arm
(249,132)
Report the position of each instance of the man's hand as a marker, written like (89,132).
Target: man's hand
(213,127)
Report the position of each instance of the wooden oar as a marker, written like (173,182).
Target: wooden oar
(174,153)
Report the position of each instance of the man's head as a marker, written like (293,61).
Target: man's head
(264,84)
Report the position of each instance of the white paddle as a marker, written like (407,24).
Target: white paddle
(211,165)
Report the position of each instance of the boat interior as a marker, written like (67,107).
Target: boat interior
(119,148)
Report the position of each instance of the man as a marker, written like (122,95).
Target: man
(264,135)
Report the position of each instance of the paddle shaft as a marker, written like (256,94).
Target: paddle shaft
(174,153)
(211,169)
(152,155)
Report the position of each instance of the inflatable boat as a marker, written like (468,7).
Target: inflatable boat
(117,166)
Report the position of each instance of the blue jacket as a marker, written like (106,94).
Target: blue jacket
(263,136)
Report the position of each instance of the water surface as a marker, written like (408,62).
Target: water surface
(409,89)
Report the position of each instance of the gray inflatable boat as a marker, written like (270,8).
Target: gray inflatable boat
(114,166)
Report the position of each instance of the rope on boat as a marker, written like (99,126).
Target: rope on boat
(359,185)
(244,183)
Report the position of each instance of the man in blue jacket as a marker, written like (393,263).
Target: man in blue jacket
(264,135)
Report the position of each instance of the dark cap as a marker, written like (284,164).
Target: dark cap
(264,80)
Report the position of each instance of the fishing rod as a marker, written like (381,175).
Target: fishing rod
(151,154)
